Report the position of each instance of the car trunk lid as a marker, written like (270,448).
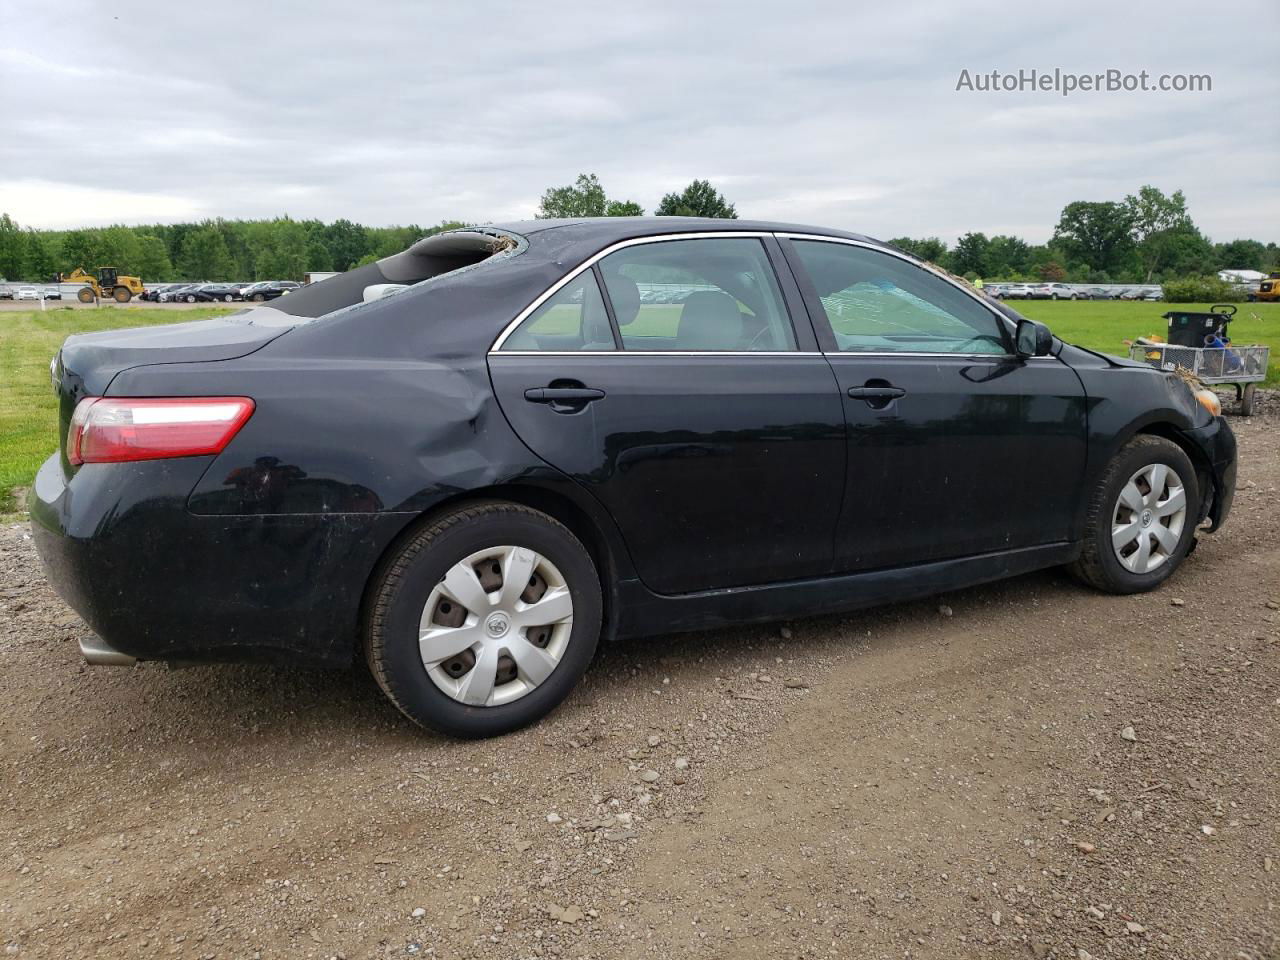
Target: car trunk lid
(87,363)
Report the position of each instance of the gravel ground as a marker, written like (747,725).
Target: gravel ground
(1028,769)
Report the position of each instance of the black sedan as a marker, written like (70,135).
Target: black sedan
(175,293)
(269,290)
(213,293)
(470,462)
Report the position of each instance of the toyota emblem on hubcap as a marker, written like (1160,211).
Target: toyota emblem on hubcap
(498,624)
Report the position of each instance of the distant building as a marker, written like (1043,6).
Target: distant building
(1241,276)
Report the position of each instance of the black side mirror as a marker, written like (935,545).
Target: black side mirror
(1032,339)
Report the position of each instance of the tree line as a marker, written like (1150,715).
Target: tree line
(1146,237)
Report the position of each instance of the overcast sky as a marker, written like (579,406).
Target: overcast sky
(838,114)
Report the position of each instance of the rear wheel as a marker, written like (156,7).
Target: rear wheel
(1141,518)
(1247,399)
(484,620)
(84,295)
(227,298)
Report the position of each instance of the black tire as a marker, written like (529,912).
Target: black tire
(227,298)
(122,294)
(190,298)
(1098,565)
(257,298)
(84,295)
(404,584)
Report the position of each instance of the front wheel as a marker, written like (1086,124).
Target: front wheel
(84,295)
(484,620)
(1141,518)
(122,294)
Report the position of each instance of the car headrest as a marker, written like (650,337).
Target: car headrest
(596,332)
(710,320)
(625,297)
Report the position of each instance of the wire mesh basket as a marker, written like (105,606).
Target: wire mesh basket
(1210,364)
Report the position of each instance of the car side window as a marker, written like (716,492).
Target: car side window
(876,303)
(693,295)
(573,319)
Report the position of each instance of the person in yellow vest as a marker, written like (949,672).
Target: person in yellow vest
(978,284)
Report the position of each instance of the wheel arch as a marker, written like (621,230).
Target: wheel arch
(1158,423)
(1199,459)
(607,552)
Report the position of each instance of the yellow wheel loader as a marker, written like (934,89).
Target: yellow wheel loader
(107,284)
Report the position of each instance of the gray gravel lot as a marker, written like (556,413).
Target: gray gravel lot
(1028,769)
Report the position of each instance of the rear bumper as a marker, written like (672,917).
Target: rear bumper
(156,582)
(1217,442)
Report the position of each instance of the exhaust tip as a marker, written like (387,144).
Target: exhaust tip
(96,651)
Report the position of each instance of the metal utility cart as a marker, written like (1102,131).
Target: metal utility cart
(1198,344)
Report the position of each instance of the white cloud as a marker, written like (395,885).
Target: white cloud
(58,205)
(835,113)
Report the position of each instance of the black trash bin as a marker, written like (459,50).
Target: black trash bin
(1189,328)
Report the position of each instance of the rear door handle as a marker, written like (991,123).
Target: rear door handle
(563,394)
(874,393)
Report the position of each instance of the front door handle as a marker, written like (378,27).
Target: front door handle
(876,393)
(563,394)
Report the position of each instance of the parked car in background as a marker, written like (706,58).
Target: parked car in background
(152,293)
(1015,291)
(1052,291)
(1098,293)
(175,293)
(210,292)
(268,290)
(27,293)
(52,293)
(1153,294)
(472,504)
(6,292)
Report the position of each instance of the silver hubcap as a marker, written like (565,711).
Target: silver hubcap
(1149,515)
(496,626)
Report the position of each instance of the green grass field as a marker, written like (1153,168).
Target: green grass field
(28,412)
(28,339)
(1104,325)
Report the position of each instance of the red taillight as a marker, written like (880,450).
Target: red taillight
(118,429)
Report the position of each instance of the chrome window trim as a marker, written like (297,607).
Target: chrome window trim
(620,245)
(937,356)
(658,353)
(876,354)
(1005,322)
(496,348)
